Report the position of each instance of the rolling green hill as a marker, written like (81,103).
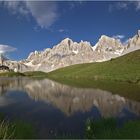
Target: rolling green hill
(125,68)
(119,76)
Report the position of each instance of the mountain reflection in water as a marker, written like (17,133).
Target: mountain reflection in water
(69,99)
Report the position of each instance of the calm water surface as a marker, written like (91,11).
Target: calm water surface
(55,109)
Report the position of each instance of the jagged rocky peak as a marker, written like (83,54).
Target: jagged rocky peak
(33,55)
(107,39)
(36,52)
(47,50)
(67,42)
(68,52)
(70,43)
(104,37)
(108,45)
(85,43)
(133,43)
(67,46)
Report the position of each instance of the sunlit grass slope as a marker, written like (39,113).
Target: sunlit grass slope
(125,68)
(119,76)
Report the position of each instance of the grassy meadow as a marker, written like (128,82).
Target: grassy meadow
(123,69)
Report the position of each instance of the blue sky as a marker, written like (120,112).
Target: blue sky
(26,26)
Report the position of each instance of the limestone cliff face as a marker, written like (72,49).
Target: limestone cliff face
(109,45)
(133,43)
(108,48)
(64,54)
(68,52)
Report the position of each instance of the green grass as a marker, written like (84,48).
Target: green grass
(125,69)
(11,74)
(23,130)
(6,130)
(119,76)
(35,74)
(15,129)
(108,129)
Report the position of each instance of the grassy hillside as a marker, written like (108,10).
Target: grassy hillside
(119,76)
(125,68)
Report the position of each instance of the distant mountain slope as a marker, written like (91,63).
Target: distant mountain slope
(68,52)
(124,68)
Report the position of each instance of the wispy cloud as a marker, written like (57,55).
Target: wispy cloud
(137,4)
(6,49)
(16,7)
(44,12)
(126,42)
(63,30)
(118,6)
(124,5)
(119,37)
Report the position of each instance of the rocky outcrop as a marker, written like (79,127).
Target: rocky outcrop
(68,53)
(64,54)
(133,43)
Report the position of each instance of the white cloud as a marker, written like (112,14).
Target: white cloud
(126,42)
(119,37)
(44,12)
(16,7)
(74,3)
(137,4)
(62,30)
(6,49)
(124,5)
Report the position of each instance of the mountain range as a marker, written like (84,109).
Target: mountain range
(68,52)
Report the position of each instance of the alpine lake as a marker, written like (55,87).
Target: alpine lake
(56,110)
